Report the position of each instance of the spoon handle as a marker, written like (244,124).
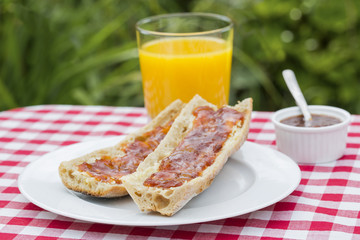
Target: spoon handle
(294,88)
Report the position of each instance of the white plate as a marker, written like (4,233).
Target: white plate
(253,178)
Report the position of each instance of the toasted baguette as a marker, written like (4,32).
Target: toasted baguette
(167,201)
(81,181)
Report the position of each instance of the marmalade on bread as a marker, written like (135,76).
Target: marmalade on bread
(110,170)
(198,149)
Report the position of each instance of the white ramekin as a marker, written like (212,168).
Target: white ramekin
(312,145)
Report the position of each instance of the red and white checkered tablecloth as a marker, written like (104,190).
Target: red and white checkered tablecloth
(326,204)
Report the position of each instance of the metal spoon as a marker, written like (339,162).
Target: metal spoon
(295,90)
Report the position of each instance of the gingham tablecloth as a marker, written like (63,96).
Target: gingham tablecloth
(326,204)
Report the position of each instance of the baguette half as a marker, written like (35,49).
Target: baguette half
(82,181)
(167,201)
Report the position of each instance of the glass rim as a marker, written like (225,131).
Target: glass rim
(194,14)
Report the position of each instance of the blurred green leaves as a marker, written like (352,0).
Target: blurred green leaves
(72,52)
(84,52)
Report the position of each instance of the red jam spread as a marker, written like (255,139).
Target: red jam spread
(198,149)
(318,120)
(107,169)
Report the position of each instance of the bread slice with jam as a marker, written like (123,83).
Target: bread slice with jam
(100,172)
(193,152)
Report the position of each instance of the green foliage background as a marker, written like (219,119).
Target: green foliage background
(84,52)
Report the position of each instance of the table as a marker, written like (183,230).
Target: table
(326,204)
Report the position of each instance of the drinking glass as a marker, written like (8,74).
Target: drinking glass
(184,54)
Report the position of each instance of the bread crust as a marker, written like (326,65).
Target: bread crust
(169,201)
(81,182)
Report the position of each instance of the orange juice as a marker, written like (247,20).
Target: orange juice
(182,67)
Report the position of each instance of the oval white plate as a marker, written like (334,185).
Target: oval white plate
(253,178)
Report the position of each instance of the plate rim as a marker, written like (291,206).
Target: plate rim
(165,221)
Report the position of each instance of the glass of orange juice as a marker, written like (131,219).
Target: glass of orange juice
(184,54)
